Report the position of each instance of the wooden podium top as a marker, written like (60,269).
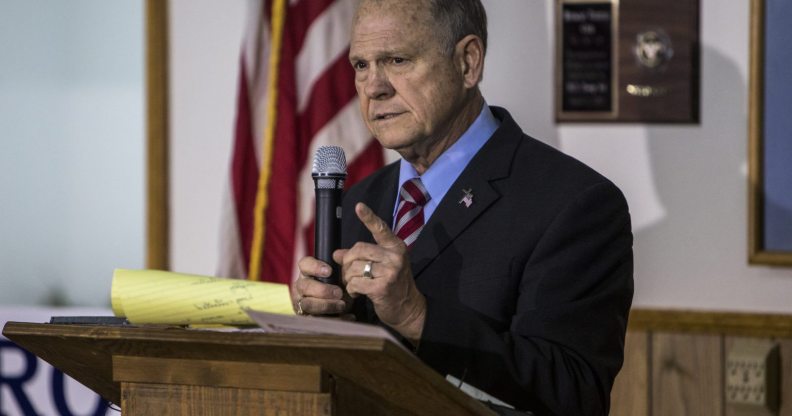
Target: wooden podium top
(382,369)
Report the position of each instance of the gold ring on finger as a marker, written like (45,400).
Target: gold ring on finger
(299,307)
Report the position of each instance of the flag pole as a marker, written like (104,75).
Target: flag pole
(278,19)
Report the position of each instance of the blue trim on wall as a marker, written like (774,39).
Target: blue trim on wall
(778,126)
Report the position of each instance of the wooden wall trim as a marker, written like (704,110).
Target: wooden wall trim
(730,323)
(157,224)
(755,127)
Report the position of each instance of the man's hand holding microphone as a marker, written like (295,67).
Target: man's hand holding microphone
(379,271)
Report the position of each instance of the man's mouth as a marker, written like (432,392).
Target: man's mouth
(386,116)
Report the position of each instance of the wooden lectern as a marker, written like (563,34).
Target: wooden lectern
(172,370)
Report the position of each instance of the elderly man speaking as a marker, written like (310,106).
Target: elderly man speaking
(501,261)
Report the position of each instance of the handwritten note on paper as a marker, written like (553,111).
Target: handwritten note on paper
(158,297)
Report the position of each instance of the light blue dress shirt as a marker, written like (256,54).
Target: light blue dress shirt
(446,169)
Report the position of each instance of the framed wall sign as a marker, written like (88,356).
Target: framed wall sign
(627,60)
(770,134)
(586,59)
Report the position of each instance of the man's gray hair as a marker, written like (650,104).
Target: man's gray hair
(457,19)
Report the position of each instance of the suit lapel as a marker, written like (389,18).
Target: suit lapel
(452,217)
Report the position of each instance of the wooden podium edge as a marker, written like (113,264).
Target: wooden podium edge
(85,352)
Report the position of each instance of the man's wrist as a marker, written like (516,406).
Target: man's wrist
(412,327)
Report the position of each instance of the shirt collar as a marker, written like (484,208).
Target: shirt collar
(444,171)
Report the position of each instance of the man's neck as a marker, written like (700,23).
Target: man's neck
(423,157)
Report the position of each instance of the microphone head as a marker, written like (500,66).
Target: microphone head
(329,161)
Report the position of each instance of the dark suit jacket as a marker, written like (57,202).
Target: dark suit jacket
(528,290)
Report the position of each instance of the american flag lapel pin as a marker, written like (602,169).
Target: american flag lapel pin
(467,199)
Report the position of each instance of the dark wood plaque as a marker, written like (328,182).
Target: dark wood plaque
(586,52)
(655,61)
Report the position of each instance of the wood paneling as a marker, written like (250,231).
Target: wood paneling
(630,395)
(681,371)
(786,377)
(350,400)
(282,377)
(686,375)
(174,399)
(728,323)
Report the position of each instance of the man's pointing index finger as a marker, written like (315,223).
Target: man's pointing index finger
(381,232)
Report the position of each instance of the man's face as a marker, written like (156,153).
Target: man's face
(410,90)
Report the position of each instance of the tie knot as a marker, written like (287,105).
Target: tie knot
(413,191)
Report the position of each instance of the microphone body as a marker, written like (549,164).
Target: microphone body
(329,174)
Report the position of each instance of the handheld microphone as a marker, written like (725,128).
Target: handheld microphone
(329,173)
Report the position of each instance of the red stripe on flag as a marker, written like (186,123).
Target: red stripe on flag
(302,15)
(244,166)
(369,160)
(331,92)
(268,10)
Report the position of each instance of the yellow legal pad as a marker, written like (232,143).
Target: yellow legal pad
(158,297)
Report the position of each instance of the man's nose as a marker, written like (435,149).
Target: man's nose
(378,86)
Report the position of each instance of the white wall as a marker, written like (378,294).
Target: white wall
(686,184)
(71,148)
(205,37)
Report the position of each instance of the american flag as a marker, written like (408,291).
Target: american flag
(295,80)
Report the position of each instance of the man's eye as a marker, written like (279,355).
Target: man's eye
(398,61)
(359,65)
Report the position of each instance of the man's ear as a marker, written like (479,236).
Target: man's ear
(469,54)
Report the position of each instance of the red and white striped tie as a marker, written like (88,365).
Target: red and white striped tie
(409,214)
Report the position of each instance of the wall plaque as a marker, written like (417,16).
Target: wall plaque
(587,55)
(627,60)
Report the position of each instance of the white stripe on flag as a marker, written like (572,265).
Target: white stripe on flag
(326,40)
(347,130)
(231,262)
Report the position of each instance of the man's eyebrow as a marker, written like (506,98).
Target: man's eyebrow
(381,55)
